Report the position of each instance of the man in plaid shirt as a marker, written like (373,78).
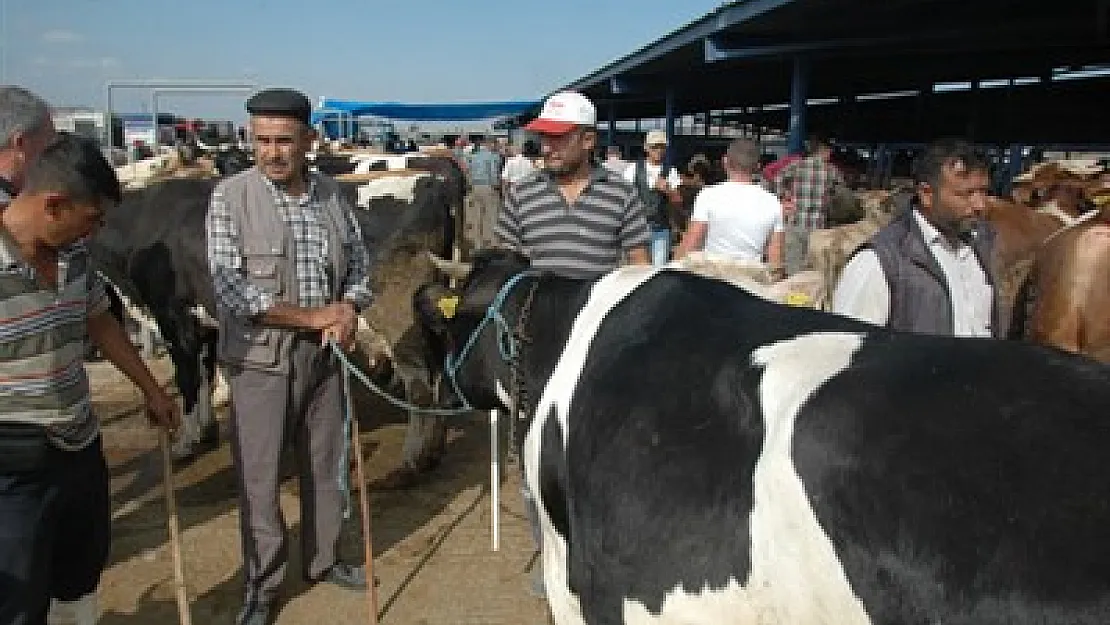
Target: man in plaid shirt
(289,269)
(809,183)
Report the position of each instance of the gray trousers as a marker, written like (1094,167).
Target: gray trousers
(270,411)
(796,247)
(481,209)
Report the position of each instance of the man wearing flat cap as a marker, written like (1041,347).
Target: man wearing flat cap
(290,273)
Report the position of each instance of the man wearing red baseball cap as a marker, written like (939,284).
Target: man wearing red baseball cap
(573,217)
(599,217)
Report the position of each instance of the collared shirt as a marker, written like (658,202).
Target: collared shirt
(585,240)
(43,333)
(484,168)
(305,217)
(812,181)
(616,165)
(862,291)
(517,168)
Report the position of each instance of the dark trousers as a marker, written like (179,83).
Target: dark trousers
(55,531)
(269,412)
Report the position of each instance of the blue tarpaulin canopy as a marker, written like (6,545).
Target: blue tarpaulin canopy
(451,112)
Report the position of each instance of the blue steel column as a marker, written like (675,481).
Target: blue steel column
(612,138)
(798,88)
(667,158)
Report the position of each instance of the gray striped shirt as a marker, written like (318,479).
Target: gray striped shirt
(585,240)
(42,344)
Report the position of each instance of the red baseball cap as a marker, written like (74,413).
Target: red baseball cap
(563,112)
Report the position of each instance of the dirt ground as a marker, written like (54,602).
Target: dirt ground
(431,541)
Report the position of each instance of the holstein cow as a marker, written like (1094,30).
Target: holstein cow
(152,248)
(703,455)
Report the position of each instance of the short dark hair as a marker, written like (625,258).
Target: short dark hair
(75,166)
(944,152)
(743,155)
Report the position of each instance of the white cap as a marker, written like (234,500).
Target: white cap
(562,112)
(656,137)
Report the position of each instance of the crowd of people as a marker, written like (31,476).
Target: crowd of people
(289,269)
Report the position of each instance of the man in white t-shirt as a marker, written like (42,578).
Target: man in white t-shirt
(658,192)
(737,218)
(519,165)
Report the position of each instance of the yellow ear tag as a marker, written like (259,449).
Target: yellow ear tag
(447,306)
(795,298)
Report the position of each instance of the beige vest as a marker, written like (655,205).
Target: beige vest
(269,262)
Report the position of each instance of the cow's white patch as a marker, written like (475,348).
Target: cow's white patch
(795,575)
(402,188)
(221,392)
(557,394)
(82,611)
(203,318)
(364,162)
(503,395)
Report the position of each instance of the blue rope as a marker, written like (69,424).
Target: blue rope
(506,345)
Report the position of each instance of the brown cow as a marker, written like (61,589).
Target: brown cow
(1067,296)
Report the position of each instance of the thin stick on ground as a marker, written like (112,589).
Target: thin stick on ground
(364,512)
(183,612)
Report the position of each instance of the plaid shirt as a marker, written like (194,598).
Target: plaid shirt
(812,180)
(304,216)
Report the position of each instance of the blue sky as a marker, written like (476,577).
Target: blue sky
(429,51)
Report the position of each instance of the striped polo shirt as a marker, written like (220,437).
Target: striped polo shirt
(585,240)
(43,332)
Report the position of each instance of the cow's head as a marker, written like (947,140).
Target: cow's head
(462,345)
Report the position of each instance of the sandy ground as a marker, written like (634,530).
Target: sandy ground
(431,542)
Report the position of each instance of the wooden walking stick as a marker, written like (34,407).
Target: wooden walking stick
(363,505)
(183,614)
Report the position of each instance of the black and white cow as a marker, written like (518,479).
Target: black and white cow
(152,248)
(703,455)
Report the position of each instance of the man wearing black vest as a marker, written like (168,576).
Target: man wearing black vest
(929,270)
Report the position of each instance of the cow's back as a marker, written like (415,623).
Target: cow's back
(726,458)
(1071,290)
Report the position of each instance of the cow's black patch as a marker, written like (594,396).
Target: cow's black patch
(965,481)
(553,475)
(665,431)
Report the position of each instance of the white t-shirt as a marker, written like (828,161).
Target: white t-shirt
(740,218)
(517,168)
(652,172)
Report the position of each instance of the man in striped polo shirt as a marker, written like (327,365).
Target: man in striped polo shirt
(54,507)
(573,218)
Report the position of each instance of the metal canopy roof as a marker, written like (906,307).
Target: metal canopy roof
(744,54)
